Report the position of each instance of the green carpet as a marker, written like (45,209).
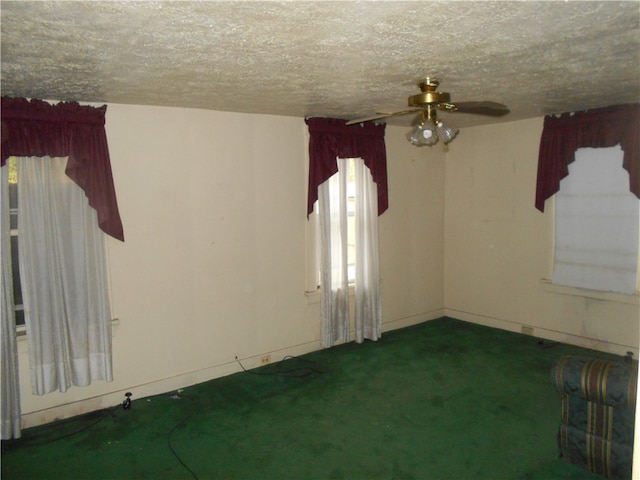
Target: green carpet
(444,400)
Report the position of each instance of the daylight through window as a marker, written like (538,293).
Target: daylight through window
(597,224)
(15,265)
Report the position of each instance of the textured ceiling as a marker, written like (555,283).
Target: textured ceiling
(332,59)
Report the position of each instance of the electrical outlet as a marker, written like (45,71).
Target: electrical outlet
(527,330)
(265,359)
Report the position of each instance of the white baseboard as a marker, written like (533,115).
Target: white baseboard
(542,333)
(141,392)
(412,320)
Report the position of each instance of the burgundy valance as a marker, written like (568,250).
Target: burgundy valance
(37,128)
(597,128)
(330,138)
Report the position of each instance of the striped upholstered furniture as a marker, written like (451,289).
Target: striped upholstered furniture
(598,412)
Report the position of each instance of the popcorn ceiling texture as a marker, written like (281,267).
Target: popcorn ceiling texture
(331,59)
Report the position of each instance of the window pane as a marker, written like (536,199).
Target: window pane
(13,193)
(17,289)
(13,221)
(13,206)
(19,317)
(13,170)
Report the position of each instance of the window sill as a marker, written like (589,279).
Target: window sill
(548,286)
(314,296)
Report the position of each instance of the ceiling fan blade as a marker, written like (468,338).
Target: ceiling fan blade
(382,115)
(492,109)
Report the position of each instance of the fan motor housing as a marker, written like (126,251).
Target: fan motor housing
(429,97)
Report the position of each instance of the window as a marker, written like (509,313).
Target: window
(63,280)
(342,186)
(334,197)
(597,224)
(351,219)
(314,229)
(13,216)
(64,333)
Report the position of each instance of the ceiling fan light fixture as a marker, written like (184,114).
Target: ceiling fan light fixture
(445,132)
(423,134)
(430,130)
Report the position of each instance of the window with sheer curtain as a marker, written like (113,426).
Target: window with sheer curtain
(591,159)
(348,217)
(348,184)
(66,203)
(64,279)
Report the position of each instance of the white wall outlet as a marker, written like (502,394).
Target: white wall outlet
(265,360)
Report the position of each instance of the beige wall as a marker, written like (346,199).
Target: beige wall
(498,247)
(215,258)
(214,262)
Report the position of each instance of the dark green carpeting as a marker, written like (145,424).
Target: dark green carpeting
(444,400)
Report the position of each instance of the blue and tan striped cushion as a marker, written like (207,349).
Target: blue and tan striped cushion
(611,459)
(611,423)
(597,380)
(598,413)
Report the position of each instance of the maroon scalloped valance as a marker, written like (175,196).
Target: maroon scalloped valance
(330,138)
(596,128)
(67,129)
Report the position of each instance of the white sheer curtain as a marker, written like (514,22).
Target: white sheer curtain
(334,283)
(332,199)
(368,310)
(10,386)
(64,281)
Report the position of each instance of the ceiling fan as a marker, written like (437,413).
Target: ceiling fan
(427,128)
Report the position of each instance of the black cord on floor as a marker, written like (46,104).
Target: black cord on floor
(20,442)
(297,372)
(175,454)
